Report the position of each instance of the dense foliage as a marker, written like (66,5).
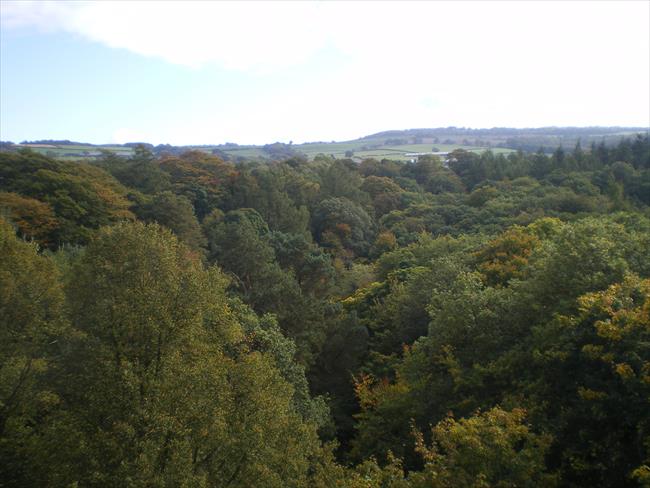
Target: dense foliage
(185,321)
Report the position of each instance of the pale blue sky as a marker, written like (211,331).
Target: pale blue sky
(199,73)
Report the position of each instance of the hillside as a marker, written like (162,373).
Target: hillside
(397,145)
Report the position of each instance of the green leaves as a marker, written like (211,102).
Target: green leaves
(341,225)
(594,364)
(157,385)
(82,197)
(543,317)
(175,213)
(491,449)
(32,325)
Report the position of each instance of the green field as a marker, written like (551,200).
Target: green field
(369,148)
(395,145)
(361,149)
(249,152)
(74,152)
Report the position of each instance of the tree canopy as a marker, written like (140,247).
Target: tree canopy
(481,320)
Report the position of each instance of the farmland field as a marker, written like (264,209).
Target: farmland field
(394,145)
(368,148)
(76,152)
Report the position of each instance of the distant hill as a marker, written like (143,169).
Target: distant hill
(529,139)
(505,131)
(392,144)
(52,142)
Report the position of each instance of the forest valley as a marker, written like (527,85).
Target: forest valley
(179,320)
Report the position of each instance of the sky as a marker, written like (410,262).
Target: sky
(259,72)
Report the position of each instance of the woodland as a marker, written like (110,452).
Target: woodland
(178,320)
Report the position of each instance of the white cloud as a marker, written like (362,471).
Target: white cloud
(235,35)
(427,36)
